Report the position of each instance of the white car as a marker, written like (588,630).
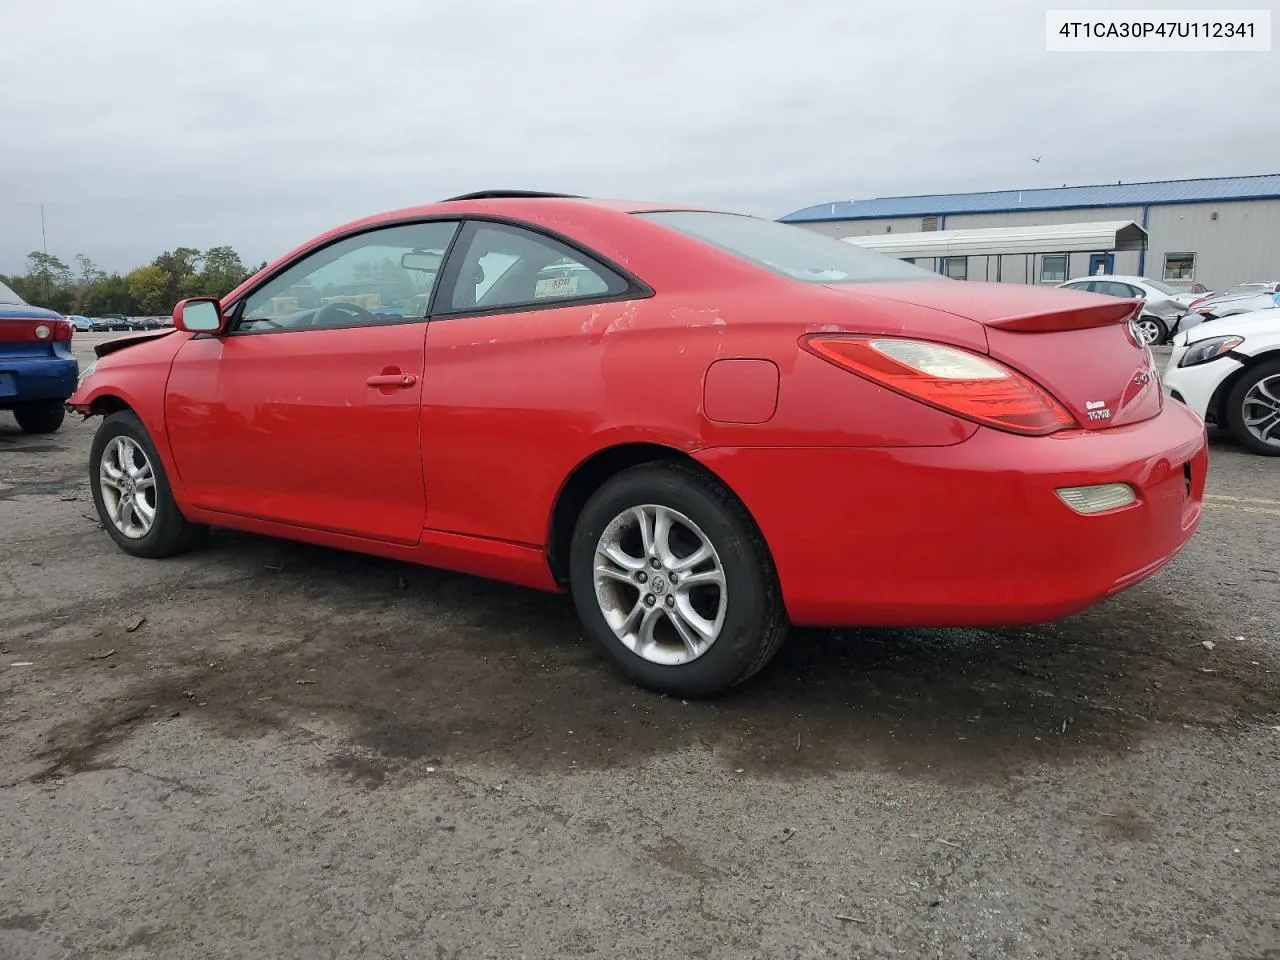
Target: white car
(1228,372)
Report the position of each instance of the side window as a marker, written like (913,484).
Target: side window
(505,266)
(383,276)
(1113,289)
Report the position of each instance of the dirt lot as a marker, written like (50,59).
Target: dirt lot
(265,750)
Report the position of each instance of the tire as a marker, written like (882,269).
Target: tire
(1154,327)
(747,610)
(39,416)
(1263,377)
(169,532)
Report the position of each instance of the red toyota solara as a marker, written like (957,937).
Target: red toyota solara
(705,426)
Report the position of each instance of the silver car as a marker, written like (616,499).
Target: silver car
(1242,298)
(1162,305)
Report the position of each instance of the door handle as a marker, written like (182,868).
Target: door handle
(392,380)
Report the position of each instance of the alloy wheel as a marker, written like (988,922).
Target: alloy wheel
(128,485)
(1260,410)
(1150,331)
(660,585)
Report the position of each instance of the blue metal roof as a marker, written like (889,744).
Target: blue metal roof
(1264,187)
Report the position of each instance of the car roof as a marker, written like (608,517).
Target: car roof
(536,208)
(514,203)
(1107,276)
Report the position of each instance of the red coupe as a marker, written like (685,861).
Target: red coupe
(705,426)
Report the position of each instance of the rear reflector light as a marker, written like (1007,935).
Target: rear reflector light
(957,381)
(42,331)
(1099,498)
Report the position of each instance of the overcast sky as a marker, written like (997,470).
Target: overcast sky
(147,124)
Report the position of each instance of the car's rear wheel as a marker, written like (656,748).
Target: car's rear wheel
(39,416)
(1253,409)
(1152,330)
(131,491)
(672,577)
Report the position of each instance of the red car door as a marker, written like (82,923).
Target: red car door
(308,411)
(511,379)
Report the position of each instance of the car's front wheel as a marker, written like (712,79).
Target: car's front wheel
(1253,409)
(131,491)
(39,416)
(672,577)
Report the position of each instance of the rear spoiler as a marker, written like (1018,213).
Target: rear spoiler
(1076,318)
(111,346)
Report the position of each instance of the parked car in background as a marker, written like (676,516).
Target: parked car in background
(1191,287)
(1162,305)
(38,371)
(1228,372)
(112,321)
(706,427)
(1242,298)
(83,324)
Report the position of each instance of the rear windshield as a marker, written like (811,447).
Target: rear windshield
(789,251)
(8,296)
(1162,287)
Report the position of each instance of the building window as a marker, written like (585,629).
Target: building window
(1179,266)
(957,268)
(1053,268)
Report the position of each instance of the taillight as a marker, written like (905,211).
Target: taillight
(41,331)
(957,381)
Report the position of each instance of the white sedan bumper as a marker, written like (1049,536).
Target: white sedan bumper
(1195,386)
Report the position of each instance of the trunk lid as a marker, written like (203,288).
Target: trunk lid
(1078,346)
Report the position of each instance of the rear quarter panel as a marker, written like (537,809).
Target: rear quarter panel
(513,403)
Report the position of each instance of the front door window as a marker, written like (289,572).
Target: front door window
(383,276)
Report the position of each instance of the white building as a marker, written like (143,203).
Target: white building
(1217,232)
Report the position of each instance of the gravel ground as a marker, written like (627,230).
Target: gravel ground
(266,750)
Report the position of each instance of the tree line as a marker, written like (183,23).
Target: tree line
(149,290)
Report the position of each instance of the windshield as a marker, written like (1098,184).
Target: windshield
(789,251)
(1248,288)
(1164,288)
(8,296)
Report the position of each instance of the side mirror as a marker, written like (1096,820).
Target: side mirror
(199,315)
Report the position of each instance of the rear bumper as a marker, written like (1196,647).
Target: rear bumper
(36,378)
(972,534)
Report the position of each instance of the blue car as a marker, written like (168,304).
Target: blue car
(38,371)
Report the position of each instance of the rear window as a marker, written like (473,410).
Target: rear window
(787,250)
(8,296)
